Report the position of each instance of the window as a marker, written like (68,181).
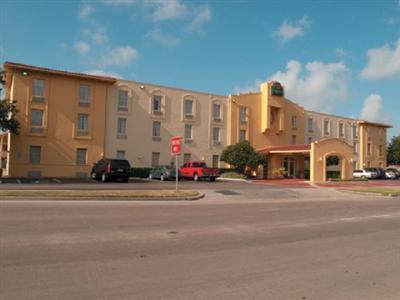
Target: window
(38,88)
(216,111)
(155,159)
(34,154)
(215,161)
(355,131)
(294,122)
(327,127)
(157,104)
(310,139)
(242,135)
(272,114)
(37,118)
(122,100)
(188,106)
(216,137)
(380,152)
(341,129)
(84,94)
(310,124)
(83,124)
(156,129)
(294,139)
(369,149)
(186,158)
(81,154)
(188,132)
(121,126)
(243,114)
(355,147)
(369,164)
(120,154)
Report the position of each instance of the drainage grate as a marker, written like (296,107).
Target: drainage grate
(227,192)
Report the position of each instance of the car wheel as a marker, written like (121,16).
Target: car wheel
(150,176)
(162,177)
(125,179)
(364,177)
(93,176)
(212,179)
(103,177)
(196,177)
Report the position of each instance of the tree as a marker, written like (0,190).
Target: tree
(393,151)
(241,156)
(7,121)
(7,111)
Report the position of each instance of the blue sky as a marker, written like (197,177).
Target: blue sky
(341,57)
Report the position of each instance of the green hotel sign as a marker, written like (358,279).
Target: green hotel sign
(277,89)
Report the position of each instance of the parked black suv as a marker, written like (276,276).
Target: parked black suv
(108,169)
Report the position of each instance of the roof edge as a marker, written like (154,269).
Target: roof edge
(19,66)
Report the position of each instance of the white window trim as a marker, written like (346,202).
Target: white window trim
(221,111)
(121,108)
(161,112)
(344,129)
(329,127)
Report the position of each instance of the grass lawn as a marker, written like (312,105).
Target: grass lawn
(385,191)
(75,194)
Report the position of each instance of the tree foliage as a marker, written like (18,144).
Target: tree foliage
(7,120)
(393,151)
(241,156)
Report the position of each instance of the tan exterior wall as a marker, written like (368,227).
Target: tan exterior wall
(375,136)
(58,139)
(138,142)
(262,131)
(317,131)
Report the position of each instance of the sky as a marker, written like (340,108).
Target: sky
(339,57)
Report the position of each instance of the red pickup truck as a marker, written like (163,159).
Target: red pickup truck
(198,170)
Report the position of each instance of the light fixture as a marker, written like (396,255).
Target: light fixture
(142,87)
(25,73)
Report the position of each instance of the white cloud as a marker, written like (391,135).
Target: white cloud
(118,56)
(169,10)
(372,109)
(288,31)
(201,17)
(82,47)
(318,86)
(97,34)
(161,37)
(85,11)
(119,2)
(383,62)
(102,73)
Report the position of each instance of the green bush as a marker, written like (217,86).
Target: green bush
(140,172)
(233,175)
(333,174)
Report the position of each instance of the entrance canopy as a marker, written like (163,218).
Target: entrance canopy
(303,148)
(293,157)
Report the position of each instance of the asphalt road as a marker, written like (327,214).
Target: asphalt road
(312,244)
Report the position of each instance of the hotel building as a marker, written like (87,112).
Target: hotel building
(70,120)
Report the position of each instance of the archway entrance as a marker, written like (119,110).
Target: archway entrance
(333,167)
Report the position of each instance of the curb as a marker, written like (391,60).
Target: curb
(369,193)
(233,179)
(44,198)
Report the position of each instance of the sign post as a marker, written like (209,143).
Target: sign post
(176,150)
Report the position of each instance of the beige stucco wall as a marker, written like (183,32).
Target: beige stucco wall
(318,127)
(58,141)
(374,134)
(139,144)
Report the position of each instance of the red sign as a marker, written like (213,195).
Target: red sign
(176,145)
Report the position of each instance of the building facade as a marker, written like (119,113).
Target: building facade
(61,116)
(70,120)
(142,118)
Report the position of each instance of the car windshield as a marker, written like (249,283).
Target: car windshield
(123,164)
